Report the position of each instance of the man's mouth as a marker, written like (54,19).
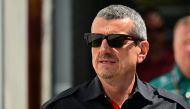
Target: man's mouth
(107,61)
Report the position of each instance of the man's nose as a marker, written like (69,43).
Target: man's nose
(105,45)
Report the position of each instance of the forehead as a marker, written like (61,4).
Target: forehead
(183,32)
(102,25)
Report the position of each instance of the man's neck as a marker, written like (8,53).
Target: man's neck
(119,89)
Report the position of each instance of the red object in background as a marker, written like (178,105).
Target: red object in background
(149,69)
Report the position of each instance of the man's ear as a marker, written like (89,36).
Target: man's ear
(144,47)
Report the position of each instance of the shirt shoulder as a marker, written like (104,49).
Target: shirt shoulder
(63,96)
(169,96)
(76,98)
(57,98)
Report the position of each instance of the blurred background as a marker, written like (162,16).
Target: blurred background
(42,51)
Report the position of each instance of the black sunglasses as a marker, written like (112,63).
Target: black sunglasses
(114,40)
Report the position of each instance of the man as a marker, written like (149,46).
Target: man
(119,41)
(178,79)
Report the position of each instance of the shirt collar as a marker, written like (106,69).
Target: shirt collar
(95,89)
(144,89)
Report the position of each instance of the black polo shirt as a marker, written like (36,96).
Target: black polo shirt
(90,95)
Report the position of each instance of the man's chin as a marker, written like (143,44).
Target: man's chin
(106,75)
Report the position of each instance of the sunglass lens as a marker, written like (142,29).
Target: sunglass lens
(94,40)
(115,41)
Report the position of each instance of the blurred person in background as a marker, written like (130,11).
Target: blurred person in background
(160,57)
(118,42)
(178,79)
